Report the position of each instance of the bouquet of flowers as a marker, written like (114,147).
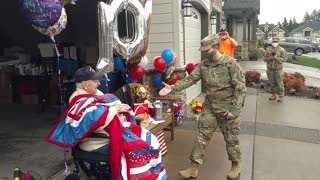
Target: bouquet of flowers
(196,108)
(143,94)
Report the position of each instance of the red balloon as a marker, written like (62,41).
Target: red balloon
(190,67)
(159,64)
(137,72)
(174,79)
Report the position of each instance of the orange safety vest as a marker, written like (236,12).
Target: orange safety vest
(227,47)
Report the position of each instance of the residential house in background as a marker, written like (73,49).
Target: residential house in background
(309,30)
(241,19)
(267,31)
(180,25)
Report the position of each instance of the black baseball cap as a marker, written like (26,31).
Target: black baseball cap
(223,30)
(87,73)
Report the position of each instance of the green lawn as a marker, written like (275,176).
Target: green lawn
(306,61)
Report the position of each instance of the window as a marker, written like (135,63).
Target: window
(195,15)
(307,33)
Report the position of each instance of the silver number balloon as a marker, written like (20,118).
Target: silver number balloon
(105,25)
(148,12)
(130,48)
(109,35)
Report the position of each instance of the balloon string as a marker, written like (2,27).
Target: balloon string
(59,71)
(67,171)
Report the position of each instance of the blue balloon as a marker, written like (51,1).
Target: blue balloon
(168,56)
(119,64)
(157,80)
(42,13)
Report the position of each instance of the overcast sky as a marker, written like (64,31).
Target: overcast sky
(272,11)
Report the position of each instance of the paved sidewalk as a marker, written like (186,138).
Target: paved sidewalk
(312,75)
(279,141)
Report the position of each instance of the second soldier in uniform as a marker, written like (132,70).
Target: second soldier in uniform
(275,57)
(225,94)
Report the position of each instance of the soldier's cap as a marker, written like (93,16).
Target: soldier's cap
(87,73)
(275,39)
(209,41)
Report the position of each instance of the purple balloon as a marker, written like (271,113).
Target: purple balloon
(42,13)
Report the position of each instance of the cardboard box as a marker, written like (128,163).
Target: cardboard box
(29,99)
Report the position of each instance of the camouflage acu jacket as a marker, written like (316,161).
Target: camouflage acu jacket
(280,55)
(224,84)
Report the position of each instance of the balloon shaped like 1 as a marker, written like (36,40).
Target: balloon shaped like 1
(137,72)
(168,56)
(130,47)
(105,23)
(157,80)
(42,13)
(159,64)
(55,29)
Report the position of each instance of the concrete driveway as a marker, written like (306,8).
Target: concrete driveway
(315,55)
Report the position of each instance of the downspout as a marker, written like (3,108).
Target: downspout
(184,38)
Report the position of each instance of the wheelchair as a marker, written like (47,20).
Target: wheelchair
(93,164)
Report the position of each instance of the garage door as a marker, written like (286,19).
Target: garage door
(193,55)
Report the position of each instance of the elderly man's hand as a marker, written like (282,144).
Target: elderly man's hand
(122,107)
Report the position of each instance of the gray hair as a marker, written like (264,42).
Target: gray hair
(79,85)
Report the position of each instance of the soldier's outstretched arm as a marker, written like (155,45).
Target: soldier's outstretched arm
(238,82)
(190,80)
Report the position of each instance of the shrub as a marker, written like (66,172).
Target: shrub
(299,76)
(254,54)
(296,84)
(317,94)
(293,82)
(252,77)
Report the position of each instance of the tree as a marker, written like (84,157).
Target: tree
(306,17)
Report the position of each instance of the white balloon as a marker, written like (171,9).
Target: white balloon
(144,61)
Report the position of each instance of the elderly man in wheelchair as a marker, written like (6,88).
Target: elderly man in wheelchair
(102,133)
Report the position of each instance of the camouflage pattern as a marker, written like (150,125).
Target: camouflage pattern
(225,92)
(210,40)
(275,69)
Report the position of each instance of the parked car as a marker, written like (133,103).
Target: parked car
(298,46)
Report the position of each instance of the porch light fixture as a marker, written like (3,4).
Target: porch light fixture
(213,18)
(186,6)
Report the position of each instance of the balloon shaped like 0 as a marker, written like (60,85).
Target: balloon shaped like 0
(57,28)
(157,80)
(130,48)
(42,13)
(168,56)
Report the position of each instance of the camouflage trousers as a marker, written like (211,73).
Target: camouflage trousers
(207,124)
(275,78)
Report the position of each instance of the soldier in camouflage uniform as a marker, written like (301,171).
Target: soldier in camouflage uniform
(275,57)
(225,94)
